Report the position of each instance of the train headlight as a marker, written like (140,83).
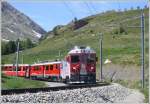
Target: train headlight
(92,68)
(74,68)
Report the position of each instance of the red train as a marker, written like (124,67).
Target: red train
(79,66)
(10,69)
(49,70)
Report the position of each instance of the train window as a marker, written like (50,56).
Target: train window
(24,68)
(19,68)
(36,68)
(56,66)
(7,67)
(91,59)
(51,67)
(96,58)
(47,67)
(2,67)
(14,68)
(11,68)
(74,59)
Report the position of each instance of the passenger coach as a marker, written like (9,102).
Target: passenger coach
(10,69)
(49,70)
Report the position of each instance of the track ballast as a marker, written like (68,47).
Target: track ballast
(46,89)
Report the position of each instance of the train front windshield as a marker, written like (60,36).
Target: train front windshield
(91,59)
(75,59)
(86,58)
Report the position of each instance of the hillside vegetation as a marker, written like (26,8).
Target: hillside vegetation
(12,82)
(120,44)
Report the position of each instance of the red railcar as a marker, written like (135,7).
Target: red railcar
(49,70)
(80,66)
(10,69)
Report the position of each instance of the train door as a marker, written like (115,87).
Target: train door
(57,70)
(35,71)
(42,68)
(47,71)
(14,70)
(65,70)
(83,59)
(41,71)
(75,67)
(28,71)
(24,68)
(10,71)
(83,70)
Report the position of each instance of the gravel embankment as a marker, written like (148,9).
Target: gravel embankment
(109,94)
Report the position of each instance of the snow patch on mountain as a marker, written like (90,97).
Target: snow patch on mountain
(5,40)
(37,34)
(10,30)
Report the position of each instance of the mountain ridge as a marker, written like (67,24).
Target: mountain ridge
(16,24)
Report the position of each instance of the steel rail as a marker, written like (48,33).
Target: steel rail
(46,89)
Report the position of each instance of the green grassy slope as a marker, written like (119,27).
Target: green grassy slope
(123,48)
(9,82)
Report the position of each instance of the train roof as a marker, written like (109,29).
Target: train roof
(78,49)
(55,62)
(15,65)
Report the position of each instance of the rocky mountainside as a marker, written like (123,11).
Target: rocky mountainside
(17,25)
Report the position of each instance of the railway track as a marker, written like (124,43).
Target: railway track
(46,89)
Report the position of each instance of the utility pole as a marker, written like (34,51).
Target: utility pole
(59,53)
(142,48)
(17,57)
(101,59)
(22,58)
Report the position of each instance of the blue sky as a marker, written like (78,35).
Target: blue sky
(49,14)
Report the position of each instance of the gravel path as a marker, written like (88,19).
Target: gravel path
(112,93)
(53,84)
